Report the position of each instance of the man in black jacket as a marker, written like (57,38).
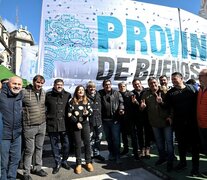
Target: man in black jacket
(112,107)
(57,127)
(182,99)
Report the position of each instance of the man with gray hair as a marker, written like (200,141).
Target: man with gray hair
(96,129)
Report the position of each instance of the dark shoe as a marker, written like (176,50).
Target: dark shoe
(169,167)
(194,173)
(136,157)
(99,157)
(56,169)
(41,173)
(125,151)
(160,162)
(180,167)
(111,157)
(27,177)
(175,158)
(147,156)
(66,165)
(118,161)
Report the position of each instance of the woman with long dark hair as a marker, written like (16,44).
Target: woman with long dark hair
(79,112)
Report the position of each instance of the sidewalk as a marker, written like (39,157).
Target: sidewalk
(128,170)
(161,170)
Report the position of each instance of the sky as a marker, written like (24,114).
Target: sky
(28,12)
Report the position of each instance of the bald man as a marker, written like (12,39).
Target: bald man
(202,113)
(11,110)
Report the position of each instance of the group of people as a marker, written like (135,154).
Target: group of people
(143,115)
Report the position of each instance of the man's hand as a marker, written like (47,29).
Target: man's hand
(142,104)
(169,120)
(79,125)
(134,100)
(159,98)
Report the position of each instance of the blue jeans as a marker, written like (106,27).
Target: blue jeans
(203,135)
(112,133)
(1,129)
(11,155)
(164,137)
(55,138)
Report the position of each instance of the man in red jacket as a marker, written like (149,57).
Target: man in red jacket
(201,111)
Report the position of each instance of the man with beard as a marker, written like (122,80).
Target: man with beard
(34,127)
(57,127)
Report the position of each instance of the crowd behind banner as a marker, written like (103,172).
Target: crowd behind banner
(141,116)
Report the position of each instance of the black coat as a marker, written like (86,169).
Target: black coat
(95,119)
(56,110)
(111,103)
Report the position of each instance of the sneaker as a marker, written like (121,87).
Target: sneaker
(99,157)
(40,173)
(78,169)
(27,177)
(160,162)
(89,167)
(180,167)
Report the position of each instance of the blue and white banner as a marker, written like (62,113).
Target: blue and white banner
(29,64)
(118,40)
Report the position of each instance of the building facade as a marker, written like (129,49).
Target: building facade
(18,40)
(203,9)
(5,51)
(11,47)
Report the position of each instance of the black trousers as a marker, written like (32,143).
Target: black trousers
(55,138)
(188,140)
(79,136)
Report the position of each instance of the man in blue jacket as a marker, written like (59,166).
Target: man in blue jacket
(1,128)
(11,110)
